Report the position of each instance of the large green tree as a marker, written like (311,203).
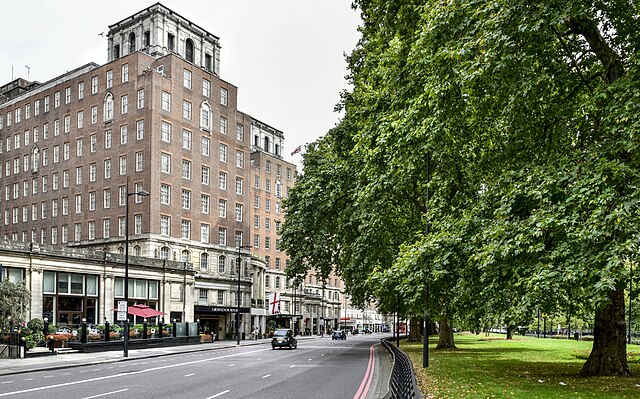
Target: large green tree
(14,301)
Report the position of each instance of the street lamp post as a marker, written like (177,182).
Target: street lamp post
(142,193)
(630,296)
(239,263)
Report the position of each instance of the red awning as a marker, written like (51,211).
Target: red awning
(143,311)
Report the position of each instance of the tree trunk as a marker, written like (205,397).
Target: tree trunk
(445,334)
(609,352)
(510,329)
(415,335)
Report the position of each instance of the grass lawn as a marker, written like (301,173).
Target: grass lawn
(525,367)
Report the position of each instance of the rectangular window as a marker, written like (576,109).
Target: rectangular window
(186,110)
(165,225)
(79,147)
(140,98)
(78,175)
(93,172)
(204,232)
(78,199)
(94,85)
(205,178)
(93,143)
(186,199)
(80,90)
(140,130)
(186,79)
(224,152)
(224,96)
(166,163)
(123,165)
(222,180)
(238,212)
(166,101)
(56,99)
(139,161)
(206,88)
(239,185)
(222,236)
(240,159)
(124,134)
(46,107)
(165,134)
(186,169)
(36,107)
(222,208)
(165,194)
(67,123)
(124,104)
(67,95)
(107,139)
(205,201)
(92,201)
(206,144)
(239,132)
(106,198)
(107,168)
(186,139)
(125,73)
(94,115)
(80,119)
(223,125)
(106,227)
(109,79)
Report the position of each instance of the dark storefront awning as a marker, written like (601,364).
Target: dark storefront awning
(199,309)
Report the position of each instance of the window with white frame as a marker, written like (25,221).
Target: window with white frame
(107,168)
(80,119)
(223,125)
(239,132)
(140,130)
(224,152)
(94,85)
(80,90)
(123,165)
(124,134)
(124,104)
(165,194)
(206,88)
(94,115)
(239,212)
(166,101)
(165,134)
(222,236)
(205,116)
(186,199)
(186,229)
(186,110)
(205,177)
(222,180)
(204,232)
(239,159)
(107,139)
(165,163)
(186,169)
(140,98)
(106,228)
(109,79)
(222,208)
(56,99)
(204,203)
(108,107)
(93,172)
(106,198)
(139,161)
(224,96)
(186,78)
(186,139)
(92,200)
(206,146)
(239,185)
(125,73)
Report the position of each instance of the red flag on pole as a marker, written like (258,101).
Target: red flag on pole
(297,150)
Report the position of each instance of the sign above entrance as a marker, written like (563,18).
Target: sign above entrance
(219,309)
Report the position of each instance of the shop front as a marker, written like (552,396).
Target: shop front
(220,320)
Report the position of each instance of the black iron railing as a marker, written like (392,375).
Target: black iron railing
(402,384)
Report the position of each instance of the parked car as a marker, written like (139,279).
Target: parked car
(283,338)
(337,334)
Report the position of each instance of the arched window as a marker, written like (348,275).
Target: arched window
(204,261)
(137,250)
(205,116)
(164,253)
(108,107)
(132,42)
(35,159)
(121,250)
(266,144)
(185,256)
(188,50)
(222,260)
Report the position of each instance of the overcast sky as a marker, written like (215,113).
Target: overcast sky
(285,56)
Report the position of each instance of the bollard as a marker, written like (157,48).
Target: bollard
(174,331)
(107,331)
(144,329)
(160,329)
(51,345)
(83,331)
(186,324)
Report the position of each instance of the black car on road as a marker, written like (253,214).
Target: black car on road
(283,338)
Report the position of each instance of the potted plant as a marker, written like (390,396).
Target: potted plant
(59,340)
(94,337)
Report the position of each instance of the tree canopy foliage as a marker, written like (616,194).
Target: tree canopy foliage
(526,114)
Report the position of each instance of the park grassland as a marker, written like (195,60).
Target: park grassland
(525,367)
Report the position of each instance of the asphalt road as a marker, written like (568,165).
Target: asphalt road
(319,368)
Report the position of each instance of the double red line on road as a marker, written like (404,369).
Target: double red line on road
(368,376)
